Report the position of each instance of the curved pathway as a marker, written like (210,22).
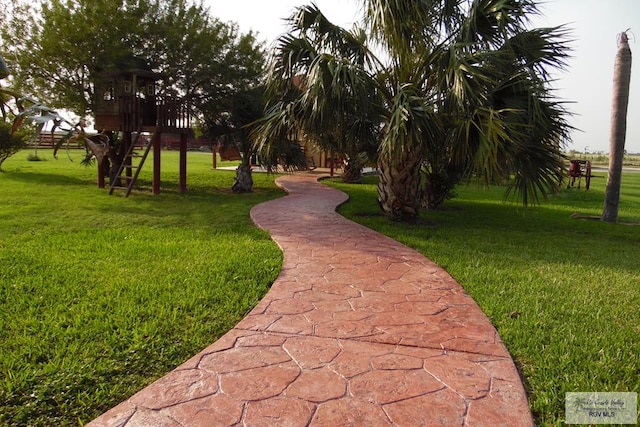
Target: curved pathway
(357,330)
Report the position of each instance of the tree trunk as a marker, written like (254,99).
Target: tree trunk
(116,158)
(399,186)
(244,180)
(352,173)
(620,101)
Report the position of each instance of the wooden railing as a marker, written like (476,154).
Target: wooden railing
(173,114)
(164,113)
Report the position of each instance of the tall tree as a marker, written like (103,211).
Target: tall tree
(620,101)
(234,128)
(319,89)
(459,89)
(467,81)
(58,48)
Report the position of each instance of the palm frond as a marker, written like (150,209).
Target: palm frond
(413,124)
(489,22)
(539,49)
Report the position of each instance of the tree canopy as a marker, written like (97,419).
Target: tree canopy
(58,46)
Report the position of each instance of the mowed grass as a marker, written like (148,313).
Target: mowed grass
(563,293)
(100,295)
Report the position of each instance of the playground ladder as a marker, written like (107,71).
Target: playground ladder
(127,163)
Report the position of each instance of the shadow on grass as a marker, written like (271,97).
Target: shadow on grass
(481,227)
(47,178)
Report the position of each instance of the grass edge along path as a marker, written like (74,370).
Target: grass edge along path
(563,293)
(101,295)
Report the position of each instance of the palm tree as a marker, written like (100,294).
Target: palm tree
(234,129)
(621,81)
(320,90)
(468,84)
(462,92)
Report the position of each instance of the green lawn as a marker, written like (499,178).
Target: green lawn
(563,293)
(100,295)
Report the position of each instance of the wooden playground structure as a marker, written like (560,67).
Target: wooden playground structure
(127,103)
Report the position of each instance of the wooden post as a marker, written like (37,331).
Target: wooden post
(127,140)
(214,148)
(157,148)
(183,162)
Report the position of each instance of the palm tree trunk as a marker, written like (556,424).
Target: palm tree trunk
(621,79)
(244,180)
(399,186)
(352,173)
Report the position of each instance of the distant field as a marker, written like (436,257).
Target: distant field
(630,160)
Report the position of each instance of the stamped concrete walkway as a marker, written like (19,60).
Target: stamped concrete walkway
(358,330)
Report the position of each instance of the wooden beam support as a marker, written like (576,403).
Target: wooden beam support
(157,149)
(127,140)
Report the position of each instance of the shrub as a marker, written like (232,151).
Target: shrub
(10,143)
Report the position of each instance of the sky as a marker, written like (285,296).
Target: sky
(586,84)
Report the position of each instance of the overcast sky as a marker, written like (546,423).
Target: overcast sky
(587,83)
